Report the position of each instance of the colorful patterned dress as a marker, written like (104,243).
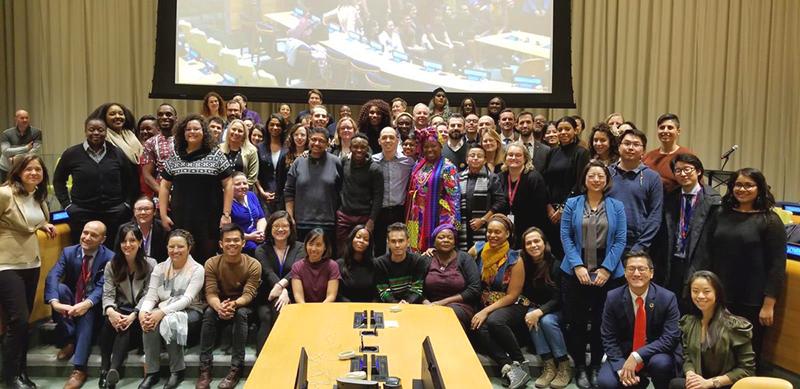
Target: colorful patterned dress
(433,199)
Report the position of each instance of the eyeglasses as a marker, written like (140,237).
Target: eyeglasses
(146,209)
(632,144)
(634,269)
(744,186)
(685,171)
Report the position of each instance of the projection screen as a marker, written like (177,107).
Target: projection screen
(359,49)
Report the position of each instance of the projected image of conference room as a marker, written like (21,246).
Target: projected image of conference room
(498,46)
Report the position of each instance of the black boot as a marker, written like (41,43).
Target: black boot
(175,379)
(593,375)
(18,383)
(582,377)
(150,381)
(101,381)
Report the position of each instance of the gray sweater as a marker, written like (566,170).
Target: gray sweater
(313,184)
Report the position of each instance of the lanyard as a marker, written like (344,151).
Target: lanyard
(512,193)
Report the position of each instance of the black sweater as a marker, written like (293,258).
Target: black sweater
(564,167)
(748,253)
(545,297)
(362,189)
(95,186)
(357,283)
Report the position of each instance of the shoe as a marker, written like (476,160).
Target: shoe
(548,373)
(232,379)
(150,381)
(563,375)
(66,352)
(517,375)
(112,378)
(18,383)
(26,379)
(76,379)
(582,378)
(175,379)
(204,380)
(593,376)
(101,382)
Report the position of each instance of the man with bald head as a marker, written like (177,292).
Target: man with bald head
(74,290)
(421,114)
(396,169)
(20,139)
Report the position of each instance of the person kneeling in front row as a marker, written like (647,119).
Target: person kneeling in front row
(640,330)
(232,280)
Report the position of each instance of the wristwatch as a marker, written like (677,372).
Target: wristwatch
(716,382)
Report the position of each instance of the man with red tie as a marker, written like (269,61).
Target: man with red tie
(74,290)
(640,330)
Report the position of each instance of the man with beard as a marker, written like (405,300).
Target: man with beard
(158,149)
(455,149)
(538,150)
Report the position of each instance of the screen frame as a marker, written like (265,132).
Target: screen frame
(164,86)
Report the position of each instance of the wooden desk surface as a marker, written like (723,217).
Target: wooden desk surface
(327,329)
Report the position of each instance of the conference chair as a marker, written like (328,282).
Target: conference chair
(339,65)
(762,383)
(359,72)
(375,81)
(532,67)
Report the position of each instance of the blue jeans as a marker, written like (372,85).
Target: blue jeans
(547,336)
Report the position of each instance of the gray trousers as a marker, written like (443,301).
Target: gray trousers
(152,347)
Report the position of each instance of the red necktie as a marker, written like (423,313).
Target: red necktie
(639,329)
(83,279)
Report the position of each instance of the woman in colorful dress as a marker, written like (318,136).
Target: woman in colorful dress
(433,194)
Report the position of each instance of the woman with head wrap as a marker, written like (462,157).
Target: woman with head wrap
(433,194)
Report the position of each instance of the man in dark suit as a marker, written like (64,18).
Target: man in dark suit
(74,289)
(154,238)
(537,149)
(640,330)
(684,228)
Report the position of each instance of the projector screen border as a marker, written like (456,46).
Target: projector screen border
(165,87)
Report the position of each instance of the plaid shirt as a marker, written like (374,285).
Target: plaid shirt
(157,150)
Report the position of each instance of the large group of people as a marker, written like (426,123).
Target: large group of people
(184,224)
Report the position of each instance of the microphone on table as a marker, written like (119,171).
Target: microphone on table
(729,152)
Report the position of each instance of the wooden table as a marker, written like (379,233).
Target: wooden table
(327,329)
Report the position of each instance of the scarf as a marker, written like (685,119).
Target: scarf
(127,142)
(493,258)
(431,217)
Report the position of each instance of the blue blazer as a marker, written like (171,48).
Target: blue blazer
(68,268)
(663,331)
(571,231)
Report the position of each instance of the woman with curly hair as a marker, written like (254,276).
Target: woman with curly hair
(374,116)
(213,105)
(296,143)
(198,178)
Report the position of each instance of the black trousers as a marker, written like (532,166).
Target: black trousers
(267,314)
(583,305)
(112,217)
(751,314)
(114,345)
(386,217)
(497,334)
(17,292)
